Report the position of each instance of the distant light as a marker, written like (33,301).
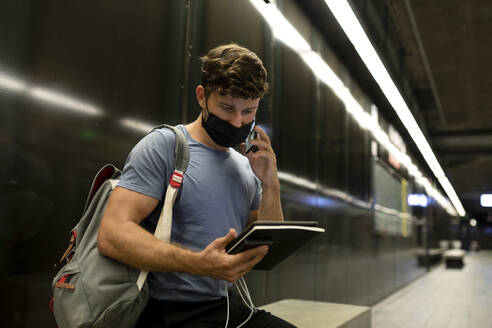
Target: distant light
(473,222)
(418,200)
(486,200)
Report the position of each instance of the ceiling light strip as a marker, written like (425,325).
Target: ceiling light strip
(281,29)
(354,31)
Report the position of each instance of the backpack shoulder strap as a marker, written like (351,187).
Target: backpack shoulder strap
(164,224)
(181,152)
(109,171)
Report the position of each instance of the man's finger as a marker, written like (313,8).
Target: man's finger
(245,267)
(251,253)
(262,133)
(242,148)
(223,241)
(261,144)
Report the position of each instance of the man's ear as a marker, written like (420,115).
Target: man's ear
(200,95)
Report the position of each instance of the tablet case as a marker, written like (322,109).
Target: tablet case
(282,237)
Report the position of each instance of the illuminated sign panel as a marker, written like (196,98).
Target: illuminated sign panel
(417,200)
(486,200)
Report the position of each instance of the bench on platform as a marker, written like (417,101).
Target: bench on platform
(435,255)
(312,314)
(454,258)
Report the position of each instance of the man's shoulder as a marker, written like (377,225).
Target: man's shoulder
(160,137)
(159,143)
(239,158)
(165,133)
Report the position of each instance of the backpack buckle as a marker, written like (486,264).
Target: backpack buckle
(176,179)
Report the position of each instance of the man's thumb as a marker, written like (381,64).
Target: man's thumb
(231,235)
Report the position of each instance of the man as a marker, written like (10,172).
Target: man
(220,195)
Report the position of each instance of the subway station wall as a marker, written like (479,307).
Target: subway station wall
(77,77)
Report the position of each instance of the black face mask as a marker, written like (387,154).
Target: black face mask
(224,133)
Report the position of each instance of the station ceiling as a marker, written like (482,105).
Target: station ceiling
(455,39)
(439,54)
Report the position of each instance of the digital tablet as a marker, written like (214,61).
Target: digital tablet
(282,237)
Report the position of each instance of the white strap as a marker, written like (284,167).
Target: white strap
(163,228)
(113,182)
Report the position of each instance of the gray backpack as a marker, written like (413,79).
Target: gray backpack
(95,291)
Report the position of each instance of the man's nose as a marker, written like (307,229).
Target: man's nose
(236,119)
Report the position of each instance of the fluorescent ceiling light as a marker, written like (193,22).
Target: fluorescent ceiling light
(354,31)
(282,29)
(448,188)
(64,101)
(322,70)
(486,200)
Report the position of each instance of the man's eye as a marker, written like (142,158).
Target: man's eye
(227,109)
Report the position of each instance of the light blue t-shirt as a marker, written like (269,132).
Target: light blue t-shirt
(219,189)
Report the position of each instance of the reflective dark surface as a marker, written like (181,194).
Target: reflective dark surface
(82,79)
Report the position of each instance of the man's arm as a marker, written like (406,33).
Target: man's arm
(270,208)
(121,237)
(264,165)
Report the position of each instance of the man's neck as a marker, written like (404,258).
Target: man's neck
(197,132)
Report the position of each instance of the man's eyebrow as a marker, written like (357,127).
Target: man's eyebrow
(232,106)
(250,108)
(226,104)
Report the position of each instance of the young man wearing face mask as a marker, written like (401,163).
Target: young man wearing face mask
(222,192)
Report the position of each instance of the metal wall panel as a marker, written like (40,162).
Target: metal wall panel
(79,68)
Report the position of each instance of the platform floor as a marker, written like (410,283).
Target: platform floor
(442,298)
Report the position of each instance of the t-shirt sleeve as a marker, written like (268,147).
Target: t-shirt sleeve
(149,165)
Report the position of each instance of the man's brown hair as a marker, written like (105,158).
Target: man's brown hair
(233,70)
